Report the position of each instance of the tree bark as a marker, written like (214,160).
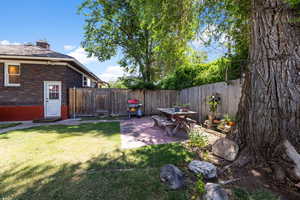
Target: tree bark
(269,110)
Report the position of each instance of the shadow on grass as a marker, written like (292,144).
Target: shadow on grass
(104,129)
(8,125)
(130,174)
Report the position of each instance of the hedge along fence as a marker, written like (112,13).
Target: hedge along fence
(197,97)
(92,101)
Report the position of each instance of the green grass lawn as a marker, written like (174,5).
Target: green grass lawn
(8,125)
(83,162)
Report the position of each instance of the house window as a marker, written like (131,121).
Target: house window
(12,74)
(86,82)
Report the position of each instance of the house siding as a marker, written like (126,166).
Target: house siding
(30,95)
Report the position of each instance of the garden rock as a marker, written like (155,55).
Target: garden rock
(215,192)
(207,169)
(171,175)
(226,149)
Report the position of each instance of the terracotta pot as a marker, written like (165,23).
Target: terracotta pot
(231,123)
(215,121)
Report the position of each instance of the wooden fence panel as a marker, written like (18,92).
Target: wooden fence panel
(92,101)
(159,99)
(197,97)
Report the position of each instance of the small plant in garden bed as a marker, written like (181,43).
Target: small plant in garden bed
(229,120)
(197,139)
(198,143)
(200,185)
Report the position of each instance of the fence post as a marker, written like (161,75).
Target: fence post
(74,103)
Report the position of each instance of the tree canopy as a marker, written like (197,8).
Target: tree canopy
(152,36)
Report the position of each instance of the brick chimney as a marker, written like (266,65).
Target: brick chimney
(43,44)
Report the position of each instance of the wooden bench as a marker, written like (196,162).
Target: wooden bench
(164,123)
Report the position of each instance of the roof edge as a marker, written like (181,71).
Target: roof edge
(54,59)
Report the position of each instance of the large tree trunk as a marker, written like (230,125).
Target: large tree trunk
(269,110)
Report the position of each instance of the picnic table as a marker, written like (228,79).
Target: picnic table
(181,119)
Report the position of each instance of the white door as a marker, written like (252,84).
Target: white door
(52,98)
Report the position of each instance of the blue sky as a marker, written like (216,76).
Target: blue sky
(57,21)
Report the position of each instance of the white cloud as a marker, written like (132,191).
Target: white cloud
(69,47)
(6,42)
(112,73)
(82,56)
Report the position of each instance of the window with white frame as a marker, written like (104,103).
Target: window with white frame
(12,74)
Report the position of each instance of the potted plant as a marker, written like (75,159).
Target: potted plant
(213,102)
(230,121)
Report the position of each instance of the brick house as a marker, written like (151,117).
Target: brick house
(34,81)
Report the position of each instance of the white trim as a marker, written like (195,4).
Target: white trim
(34,62)
(6,75)
(37,58)
(83,85)
(52,59)
(45,96)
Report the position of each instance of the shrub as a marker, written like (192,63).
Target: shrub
(190,75)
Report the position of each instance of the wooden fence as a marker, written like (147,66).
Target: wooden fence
(197,98)
(91,101)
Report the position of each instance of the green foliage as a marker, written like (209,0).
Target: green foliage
(229,118)
(117,84)
(200,185)
(199,74)
(294,3)
(151,35)
(135,83)
(213,103)
(197,139)
(242,194)
(227,21)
